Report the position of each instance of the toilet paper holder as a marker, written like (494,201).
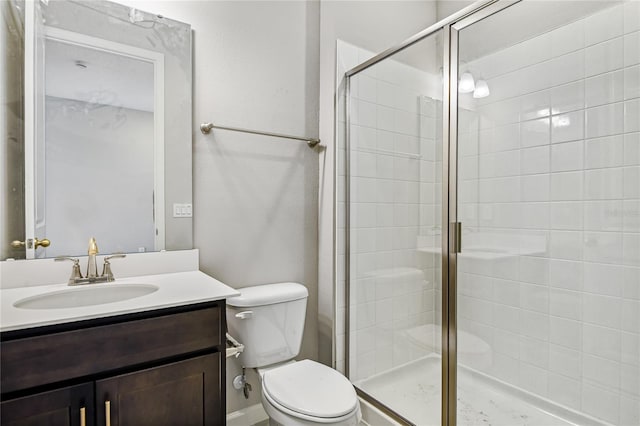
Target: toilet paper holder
(234,348)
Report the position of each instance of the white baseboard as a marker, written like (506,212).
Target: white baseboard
(247,416)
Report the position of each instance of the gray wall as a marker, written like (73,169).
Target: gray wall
(255,198)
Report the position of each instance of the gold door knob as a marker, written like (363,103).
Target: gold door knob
(31,243)
(41,243)
(17,244)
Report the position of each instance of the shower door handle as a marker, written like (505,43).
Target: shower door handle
(456,231)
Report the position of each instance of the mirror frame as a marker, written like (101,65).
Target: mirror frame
(174,40)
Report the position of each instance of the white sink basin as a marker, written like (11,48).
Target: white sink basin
(90,294)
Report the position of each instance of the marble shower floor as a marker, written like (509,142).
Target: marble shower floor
(413,391)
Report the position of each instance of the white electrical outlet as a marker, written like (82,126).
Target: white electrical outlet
(182,210)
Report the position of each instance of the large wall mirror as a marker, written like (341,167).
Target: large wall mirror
(97,117)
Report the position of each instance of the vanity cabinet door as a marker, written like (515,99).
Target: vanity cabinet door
(183,393)
(70,406)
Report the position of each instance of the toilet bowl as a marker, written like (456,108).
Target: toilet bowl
(269,321)
(308,393)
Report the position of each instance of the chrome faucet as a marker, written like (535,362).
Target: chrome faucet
(92,268)
(92,277)
(106,268)
(76,275)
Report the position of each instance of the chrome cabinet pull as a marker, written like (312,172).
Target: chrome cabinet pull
(107,413)
(83,416)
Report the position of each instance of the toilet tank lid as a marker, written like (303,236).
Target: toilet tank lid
(268,294)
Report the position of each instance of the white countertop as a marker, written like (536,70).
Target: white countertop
(174,289)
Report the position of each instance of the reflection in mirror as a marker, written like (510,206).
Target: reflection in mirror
(100,119)
(99,115)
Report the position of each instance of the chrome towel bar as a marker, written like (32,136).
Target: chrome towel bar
(206,128)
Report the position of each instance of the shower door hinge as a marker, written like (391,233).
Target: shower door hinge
(457,237)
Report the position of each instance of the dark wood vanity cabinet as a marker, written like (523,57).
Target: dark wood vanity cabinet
(163,367)
(181,393)
(69,405)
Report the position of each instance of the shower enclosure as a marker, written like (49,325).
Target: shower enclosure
(488,240)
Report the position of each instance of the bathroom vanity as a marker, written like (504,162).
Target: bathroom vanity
(158,367)
(147,348)
(73,358)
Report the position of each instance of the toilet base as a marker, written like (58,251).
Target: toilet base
(279,418)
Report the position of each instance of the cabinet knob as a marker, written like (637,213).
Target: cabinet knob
(83,416)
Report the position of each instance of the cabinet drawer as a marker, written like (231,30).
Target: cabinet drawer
(55,357)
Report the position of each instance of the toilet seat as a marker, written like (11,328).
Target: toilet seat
(311,391)
(285,416)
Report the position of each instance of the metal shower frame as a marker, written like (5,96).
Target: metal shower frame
(450,27)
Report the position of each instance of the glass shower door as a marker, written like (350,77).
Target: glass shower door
(548,194)
(393,274)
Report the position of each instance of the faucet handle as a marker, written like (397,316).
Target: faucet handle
(114,256)
(75,270)
(106,269)
(62,258)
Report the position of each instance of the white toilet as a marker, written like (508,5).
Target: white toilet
(269,321)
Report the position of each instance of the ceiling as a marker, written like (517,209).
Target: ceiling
(106,78)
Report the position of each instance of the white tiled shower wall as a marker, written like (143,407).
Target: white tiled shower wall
(393,175)
(549,173)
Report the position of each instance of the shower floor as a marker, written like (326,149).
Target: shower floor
(413,390)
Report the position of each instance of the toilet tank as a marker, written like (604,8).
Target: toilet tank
(269,321)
